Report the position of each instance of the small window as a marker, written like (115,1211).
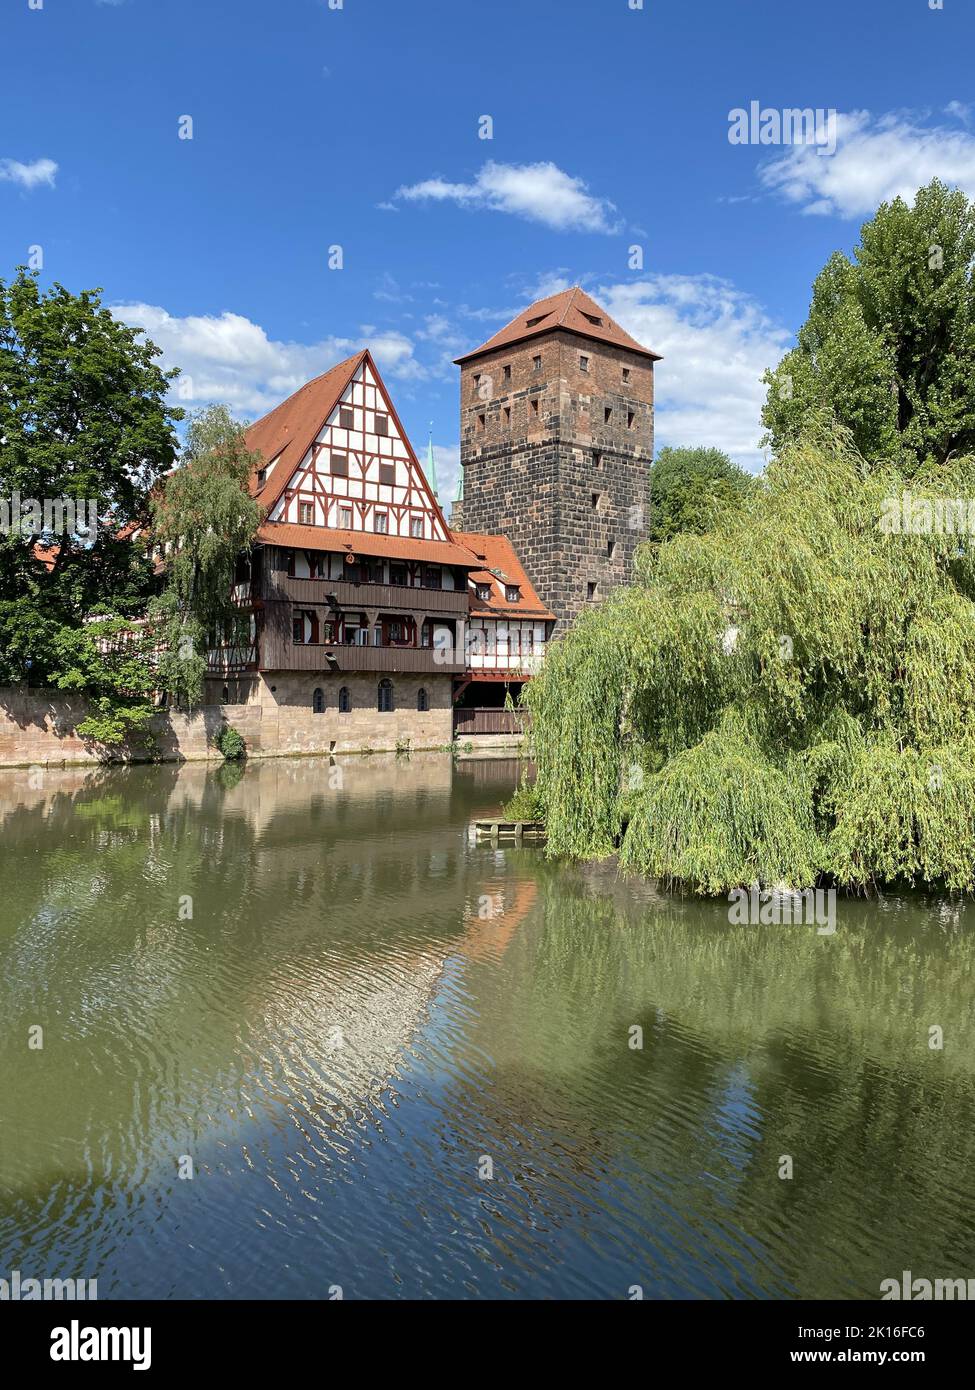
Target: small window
(306,513)
(630,417)
(225,695)
(595,501)
(507,415)
(512,593)
(476,382)
(481,422)
(532,322)
(483,592)
(345,701)
(261,477)
(382,425)
(607,414)
(590,591)
(433,577)
(385,702)
(380,523)
(422,700)
(397,574)
(584,364)
(346,418)
(387,474)
(298,629)
(340,465)
(593,320)
(611,549)
(506,373)
(534,405)
(318,701)
(597,459)
(416,527)
(536,364)
(626,374)
(345,518)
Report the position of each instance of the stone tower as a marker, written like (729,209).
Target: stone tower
(556,444)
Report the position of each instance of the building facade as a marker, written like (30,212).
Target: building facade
(356,603)
(556,444)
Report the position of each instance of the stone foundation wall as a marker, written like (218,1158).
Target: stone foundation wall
(274,714)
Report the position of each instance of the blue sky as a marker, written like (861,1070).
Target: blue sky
(358,126)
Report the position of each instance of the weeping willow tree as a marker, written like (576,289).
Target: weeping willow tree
(789,699)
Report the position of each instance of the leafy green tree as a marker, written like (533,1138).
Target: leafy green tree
(690,488)
(787,699)
(888,349)
(204,520)
(110,662)
(83,416)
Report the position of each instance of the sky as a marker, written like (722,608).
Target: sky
(360,125)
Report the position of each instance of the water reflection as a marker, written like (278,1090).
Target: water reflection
(307,979)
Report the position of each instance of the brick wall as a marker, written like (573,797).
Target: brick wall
(539,444)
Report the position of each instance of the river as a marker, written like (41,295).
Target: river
(284,1031)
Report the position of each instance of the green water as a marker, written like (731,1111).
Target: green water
(310,983)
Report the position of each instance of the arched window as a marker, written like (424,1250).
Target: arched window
(422,700)
(345,700)
(385,696)
(318,701)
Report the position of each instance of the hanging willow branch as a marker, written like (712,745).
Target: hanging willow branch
(787,699)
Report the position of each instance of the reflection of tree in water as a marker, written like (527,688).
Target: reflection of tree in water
(756,1043)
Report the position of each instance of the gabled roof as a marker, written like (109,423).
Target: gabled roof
(365,543)
(289,430)
(572,311)
(500,566)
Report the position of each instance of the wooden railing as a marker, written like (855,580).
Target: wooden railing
(390,598)
(474,720)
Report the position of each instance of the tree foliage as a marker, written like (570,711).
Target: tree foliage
(690,488)
(888,348)
(83,415)
(205,519)
(787,699)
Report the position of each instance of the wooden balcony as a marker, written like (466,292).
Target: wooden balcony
(297,656)
(359,597)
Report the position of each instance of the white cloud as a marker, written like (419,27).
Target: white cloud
(717,342)
(28,175)
(537,192)
(229,358)
(876,159)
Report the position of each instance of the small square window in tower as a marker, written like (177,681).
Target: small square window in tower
(607,414)
(536,364)
(626,374)
(507,415)
(481,422)
(506,373)
(590,591)
(584,364)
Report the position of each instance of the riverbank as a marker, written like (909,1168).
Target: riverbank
(40,729)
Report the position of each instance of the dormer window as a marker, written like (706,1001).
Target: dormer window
(261,477)
(532,323)
(512,593)
(597,322)
(483,592)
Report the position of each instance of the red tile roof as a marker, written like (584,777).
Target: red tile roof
(290,428)
(365,543)
(501,566)
(572,311)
